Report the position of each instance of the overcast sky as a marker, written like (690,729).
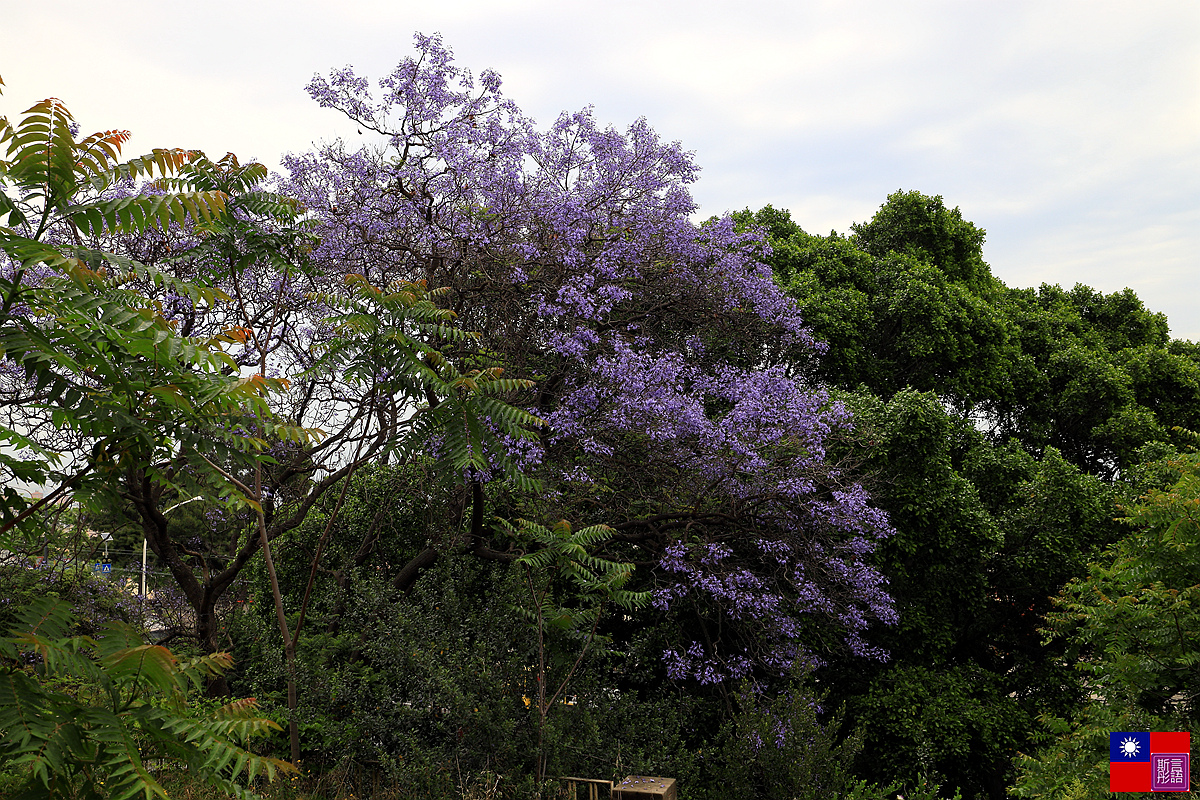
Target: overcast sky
(1070,131)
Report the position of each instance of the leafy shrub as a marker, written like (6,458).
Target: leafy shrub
(97,717)
(778,748)
(94,601)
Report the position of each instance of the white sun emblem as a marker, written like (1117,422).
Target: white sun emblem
(1129,747)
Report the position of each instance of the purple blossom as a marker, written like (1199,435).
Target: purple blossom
(583,236)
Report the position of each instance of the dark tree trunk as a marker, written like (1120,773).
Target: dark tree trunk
(208,629)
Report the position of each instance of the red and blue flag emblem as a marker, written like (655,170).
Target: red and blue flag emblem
(1149,762)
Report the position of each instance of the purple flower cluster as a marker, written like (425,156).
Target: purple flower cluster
(573,250)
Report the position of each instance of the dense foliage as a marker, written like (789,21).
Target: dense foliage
(1002,428)
(489,465)
(88,717)
(1133,626)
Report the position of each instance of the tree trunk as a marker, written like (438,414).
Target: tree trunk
(289,642)
(208,632)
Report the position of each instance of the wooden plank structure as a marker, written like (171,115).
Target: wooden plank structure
(642,787)
(593,787)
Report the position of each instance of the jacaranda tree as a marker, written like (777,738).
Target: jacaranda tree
(660,351)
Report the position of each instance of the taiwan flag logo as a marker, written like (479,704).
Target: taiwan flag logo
(1149,762)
